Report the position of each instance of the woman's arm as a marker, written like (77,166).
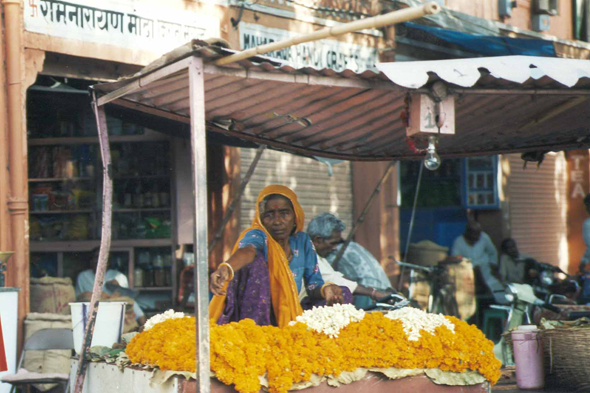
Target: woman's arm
(238,260)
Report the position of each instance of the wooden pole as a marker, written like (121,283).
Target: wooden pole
(237,198)
(105,241)
(361,218)
(391,18)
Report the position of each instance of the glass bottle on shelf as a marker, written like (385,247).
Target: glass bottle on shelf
(159,274)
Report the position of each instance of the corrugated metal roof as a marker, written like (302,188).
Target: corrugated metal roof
(357,116)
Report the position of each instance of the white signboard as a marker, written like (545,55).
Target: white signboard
(124,23)
(318,54)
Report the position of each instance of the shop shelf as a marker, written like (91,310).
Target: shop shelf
(60,179)
(87,245)
(63,211)
(152,209)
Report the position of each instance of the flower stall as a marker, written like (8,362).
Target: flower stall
(334,115)
(327,346)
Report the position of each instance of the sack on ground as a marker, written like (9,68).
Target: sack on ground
(51,361)
(52,295)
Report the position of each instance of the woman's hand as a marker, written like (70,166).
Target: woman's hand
(218,279)
(376,295)
(333,294)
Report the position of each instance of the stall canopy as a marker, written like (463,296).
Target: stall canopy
(503,104)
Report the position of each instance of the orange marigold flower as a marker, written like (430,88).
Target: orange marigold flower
(242,352)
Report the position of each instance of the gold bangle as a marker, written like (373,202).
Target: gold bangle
(323,287)
(231,269)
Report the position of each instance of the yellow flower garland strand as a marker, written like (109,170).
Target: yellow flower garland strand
(243,351)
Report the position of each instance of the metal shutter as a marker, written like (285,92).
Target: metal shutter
(538,208)
(317,192)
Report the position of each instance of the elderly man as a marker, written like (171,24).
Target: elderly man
(478,247)
(358,270)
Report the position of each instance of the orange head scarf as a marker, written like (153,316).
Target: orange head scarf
(283,290)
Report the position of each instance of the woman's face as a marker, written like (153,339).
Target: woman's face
(278,218)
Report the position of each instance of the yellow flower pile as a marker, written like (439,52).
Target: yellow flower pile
(243,351)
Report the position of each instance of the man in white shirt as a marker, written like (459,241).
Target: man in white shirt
(478,247)
(85,283)
(325,231)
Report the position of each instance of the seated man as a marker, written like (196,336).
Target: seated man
(513,264)
(478,247)
(358,270)
(85,283)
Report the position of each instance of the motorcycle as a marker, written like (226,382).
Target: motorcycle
(522,300)
(548,280)
(523,303)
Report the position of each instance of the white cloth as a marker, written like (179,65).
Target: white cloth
(481,253)
(85,283)
(330,275)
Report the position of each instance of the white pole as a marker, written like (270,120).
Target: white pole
(201,272)
(391,18)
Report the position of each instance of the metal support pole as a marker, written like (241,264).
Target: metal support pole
(105,241)
(201,267)
(420,172)
(237,198)
(361,218)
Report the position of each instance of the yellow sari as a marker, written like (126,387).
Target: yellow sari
(283,290)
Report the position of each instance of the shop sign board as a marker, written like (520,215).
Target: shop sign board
(123,23)
(578,163)
(321,54)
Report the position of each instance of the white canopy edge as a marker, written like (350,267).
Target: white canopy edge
(465,72)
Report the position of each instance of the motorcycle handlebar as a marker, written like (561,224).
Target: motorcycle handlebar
(552,307)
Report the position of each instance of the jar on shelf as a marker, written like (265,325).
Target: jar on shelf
(159,273)
(138,276)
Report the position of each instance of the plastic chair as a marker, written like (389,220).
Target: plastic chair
(497,314)
(42,340)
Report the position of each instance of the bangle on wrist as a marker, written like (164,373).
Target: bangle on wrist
(231,269)
(373,294)
(323,287)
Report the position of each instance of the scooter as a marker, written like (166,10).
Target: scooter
(522,300)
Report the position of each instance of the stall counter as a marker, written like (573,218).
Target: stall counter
(103,377)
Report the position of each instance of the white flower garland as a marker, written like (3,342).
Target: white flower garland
(170,314)
(415,320)
(330,320)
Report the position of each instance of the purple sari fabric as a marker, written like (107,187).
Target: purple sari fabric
(248,295)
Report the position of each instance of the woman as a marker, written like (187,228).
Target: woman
(271,261)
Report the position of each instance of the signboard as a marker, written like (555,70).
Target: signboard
(578,183)
(321,54)
(124,23)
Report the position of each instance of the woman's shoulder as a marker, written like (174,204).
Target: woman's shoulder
(301,237)
(255,233)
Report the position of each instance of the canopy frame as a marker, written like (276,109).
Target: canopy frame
(196,68)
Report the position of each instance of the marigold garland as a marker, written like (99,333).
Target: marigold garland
(243,351)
